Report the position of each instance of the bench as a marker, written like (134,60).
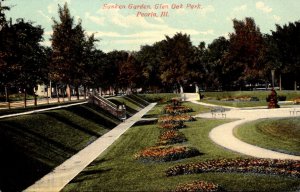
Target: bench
(294,112)
(218,111)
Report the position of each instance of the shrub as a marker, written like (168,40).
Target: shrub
(174,118)
(172,125)
(166,153)
(281,98)
(262,166)
(171,137)
(170,109)
(199,186)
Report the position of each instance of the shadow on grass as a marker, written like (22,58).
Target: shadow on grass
(89,175)
(128,109)
(133,101)
(66,121)
(91,113)
(18,169)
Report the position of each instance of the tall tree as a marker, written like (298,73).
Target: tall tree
(68,47)
(287,41)
(149,59)
(243,60)
(176,57)
(216,77)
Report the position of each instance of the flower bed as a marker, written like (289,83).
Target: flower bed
(166,153)
(296,101)
(171,137)
(261,166)
(242,98)
(170,109)
(172,125)
(200,186)
(172,118)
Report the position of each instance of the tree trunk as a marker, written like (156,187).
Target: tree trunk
(57,94)
(77,92)
(63,93)
(25,98)
(295,85)
(35,99)
(68,90)
(7,97)
(47,95)
(84,90)
(280,88)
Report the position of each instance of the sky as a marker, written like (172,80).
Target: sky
(129,24)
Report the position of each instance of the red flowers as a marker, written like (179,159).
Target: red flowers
(171,137)
(175,118)
(172,125)
(166,153)
(171,109)
(262,166)
(198,186)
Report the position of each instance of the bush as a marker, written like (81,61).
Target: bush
(171,137)
(281,98)
(166,153)
(200,186)
(262,166)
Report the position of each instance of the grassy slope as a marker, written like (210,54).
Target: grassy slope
(32,145)
(116,170)
(276,134)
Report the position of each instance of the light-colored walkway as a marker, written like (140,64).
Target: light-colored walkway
(41,110)
(65,172)
(223,134)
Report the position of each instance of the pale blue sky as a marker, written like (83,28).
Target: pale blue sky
(122,29)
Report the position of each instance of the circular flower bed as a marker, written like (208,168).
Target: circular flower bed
(171,137)
(170,109)
(262,166)
(172,125)
(200,186)
(171,118)
(166,153)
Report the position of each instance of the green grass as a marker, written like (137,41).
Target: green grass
(159,97)
(281,135)
(117,170)
(131,107)
(32,145)
(260,94)
(238,104)
(158,109)
(215,97)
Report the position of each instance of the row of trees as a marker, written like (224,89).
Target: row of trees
(246,58)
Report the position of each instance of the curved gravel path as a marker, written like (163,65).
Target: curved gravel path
(223,134)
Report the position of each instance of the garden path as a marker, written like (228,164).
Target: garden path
(223,134)
(64,173)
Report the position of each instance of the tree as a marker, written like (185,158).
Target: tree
(243,60)
(176,54)
(68,42)
(217,78)
(149,60)
(287,41)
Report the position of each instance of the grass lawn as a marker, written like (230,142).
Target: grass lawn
(238,104)
(215,97)
(117,170)
(32,145)
(281,135)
